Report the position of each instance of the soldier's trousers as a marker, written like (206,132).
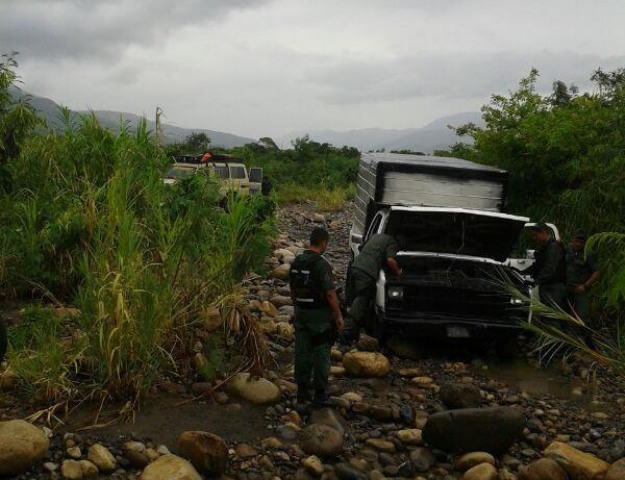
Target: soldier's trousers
(580,303)
(360,295)
(312,358)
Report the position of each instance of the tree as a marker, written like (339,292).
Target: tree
(197,142)
(17,120)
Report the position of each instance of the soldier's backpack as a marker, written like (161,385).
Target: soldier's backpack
(306,282)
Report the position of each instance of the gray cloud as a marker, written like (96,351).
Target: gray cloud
(452,76)
(91,30)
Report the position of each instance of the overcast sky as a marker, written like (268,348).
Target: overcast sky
(267,67)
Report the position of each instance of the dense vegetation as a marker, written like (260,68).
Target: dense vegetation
(87,221)
(566,156)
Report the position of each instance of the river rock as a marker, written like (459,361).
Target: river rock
(313,465)
(138,460)
(258,391)
(543,469)
(381,445)
(329,417)
(470,460)
(403,347)
(102,458)
(89,470)
(344,471)
(281,272)
(616,471)
(284,255)
(460,395)
(321,440)
(422,459)
(170,467)
(22,445)
(367,343)
(484,471)
(269,309)
(579,465)
(410,436)
(492,429)
(366,364)
(71,470)
(207,452)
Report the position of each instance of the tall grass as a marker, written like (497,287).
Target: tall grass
(91,223)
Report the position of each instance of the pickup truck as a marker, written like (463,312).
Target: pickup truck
(454,243)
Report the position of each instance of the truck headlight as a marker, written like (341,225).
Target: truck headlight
(395,293)
(516,301)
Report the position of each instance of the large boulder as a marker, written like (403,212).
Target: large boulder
(321,440)
(366,364)
(460,395)
(258,391)
(491,430)
(170,467)
(207,452)
(22,445)
(579,465)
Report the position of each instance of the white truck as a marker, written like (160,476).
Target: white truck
(454,245)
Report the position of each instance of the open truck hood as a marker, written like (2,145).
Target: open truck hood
(457,231)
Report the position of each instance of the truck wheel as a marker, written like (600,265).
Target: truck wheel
(3,339)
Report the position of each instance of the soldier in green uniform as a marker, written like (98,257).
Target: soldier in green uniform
(548,270)
(317,317)
(379,251)
(581,274)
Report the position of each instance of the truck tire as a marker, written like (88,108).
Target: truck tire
(3,339)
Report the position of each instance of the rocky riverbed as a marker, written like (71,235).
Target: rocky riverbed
(397,414)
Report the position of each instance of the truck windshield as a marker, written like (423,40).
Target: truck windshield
(237,172)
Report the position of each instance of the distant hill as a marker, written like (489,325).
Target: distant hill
(50,111)
(433,136)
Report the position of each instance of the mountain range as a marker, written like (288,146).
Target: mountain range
(433,136)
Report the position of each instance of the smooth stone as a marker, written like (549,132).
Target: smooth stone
(22,445)
(492,429)
(89,470)
(258,391)
(170,467)
(329,417)
(281,272)
(344,471)
(422,459)
(102,458)
(410,436)
(313,465)
(366,364)
(543,469)
(579,465)
(381,445)
(470,460)
(460,395)
(207,452)
(616,470)
(484,471)
(321,440)
(71,470)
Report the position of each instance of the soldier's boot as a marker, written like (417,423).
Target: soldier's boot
(303,394)
(321,397)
